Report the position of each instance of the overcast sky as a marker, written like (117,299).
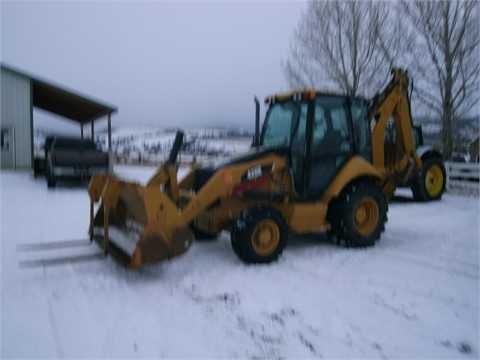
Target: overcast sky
(189,64)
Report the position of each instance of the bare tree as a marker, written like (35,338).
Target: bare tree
(347,45)
(449,67)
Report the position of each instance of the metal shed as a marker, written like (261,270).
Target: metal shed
(20,93)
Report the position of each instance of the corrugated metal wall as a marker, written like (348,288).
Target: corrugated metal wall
(16,114)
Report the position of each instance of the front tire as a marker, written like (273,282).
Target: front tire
(429,183)
(358,215)
(259,235)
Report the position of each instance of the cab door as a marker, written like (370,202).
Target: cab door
(330,143)
(299,151)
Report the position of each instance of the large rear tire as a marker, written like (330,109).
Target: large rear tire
(259,235)
(429,183)
(358,215)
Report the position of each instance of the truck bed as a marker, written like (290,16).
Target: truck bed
(73,158)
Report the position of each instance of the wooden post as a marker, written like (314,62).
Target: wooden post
(93,132)
(110,151)
(81,130)
(106,212)
(90,228)
(109,131)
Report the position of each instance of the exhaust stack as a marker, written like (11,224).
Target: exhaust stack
(256,140)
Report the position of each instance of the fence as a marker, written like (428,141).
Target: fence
(462,174)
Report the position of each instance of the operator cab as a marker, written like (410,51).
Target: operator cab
(320,132)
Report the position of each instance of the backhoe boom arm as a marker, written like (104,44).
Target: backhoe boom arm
(396,160)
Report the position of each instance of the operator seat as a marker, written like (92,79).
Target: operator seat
(324,164)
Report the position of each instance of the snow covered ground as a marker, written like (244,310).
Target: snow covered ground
(414,295)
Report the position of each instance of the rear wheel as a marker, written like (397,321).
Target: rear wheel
(51,179)
(429,183)
(359,215)
(259,235)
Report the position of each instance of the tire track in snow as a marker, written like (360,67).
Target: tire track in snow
(424,263)
(270,333)
(397,310)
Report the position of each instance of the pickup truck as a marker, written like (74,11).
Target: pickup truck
(72,158)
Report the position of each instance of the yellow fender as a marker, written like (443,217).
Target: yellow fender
(355,168)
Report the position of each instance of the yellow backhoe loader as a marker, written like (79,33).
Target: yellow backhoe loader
(321,162)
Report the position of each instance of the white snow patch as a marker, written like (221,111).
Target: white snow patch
(414,295)
(126,239)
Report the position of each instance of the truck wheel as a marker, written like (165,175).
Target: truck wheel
(51,179)
(359,215)
(35,169)
(429,183)
(259,235)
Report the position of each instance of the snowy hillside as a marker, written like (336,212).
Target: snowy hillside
(151,144)
(414,295)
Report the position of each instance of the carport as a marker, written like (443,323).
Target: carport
(65,103)
(20,93)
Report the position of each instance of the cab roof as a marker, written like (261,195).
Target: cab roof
(302,95)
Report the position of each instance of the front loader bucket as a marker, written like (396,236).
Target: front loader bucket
(137,225)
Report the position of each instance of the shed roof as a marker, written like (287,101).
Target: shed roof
(61,101)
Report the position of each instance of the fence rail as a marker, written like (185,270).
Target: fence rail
(462,174)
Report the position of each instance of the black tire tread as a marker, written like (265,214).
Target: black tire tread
(341,215)
(241,236)
(419,190)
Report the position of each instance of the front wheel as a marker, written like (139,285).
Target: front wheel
(429,183)
(358,215)
(259,235)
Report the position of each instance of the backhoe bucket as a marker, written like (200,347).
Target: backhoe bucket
(137,225)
